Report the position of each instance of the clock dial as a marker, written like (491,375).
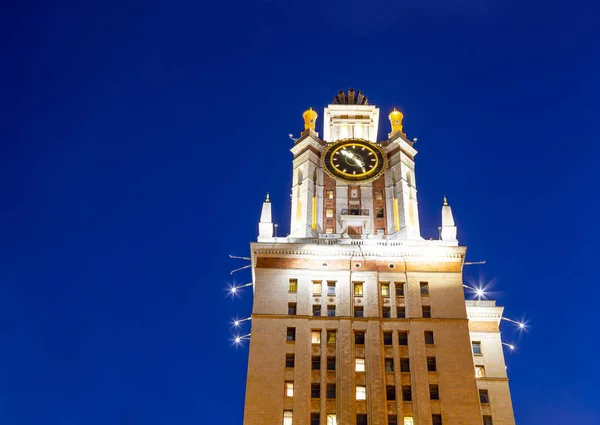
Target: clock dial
(355,160)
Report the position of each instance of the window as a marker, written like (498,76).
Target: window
(387,338)
(331,419)
(404,364)
(390,393)
(329,194)
(401,312)
(361,392)
(316,309)
(289,360)
(392,420)
(484,397)
(436,419)
(330,337)
(434,392)
(358,289)
(359,365)
(292,309)
(359,311)
(476,347)
(331,391)
(408,420)
(389,365)
(386,312)
(379,213)
(361,419)
(328,212)
(402,338)
(354,192)
(330,311)
(426,311)
(316,363)
(359,338)
(406,393)
(315,337)
(330,363)
(479,372)
(431,364)
(293,287)
(287,417)
(399,289)
(291,334)
(385,289)
(315,419)
(379,195)
(424,288)
(315,390)
(428,337)
(331,289)
(329,230)
(487,420)
(289,388)
(316,287)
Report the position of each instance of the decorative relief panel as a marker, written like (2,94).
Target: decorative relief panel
(315,376)
(315,405)
(360,378)
(316,350)
(361,406)
(360,351)
(389,378)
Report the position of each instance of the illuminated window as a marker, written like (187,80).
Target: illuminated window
(330,311)
(390,393)
(292,309)
(379,213)
(402,338)
(387,338)
(289,389)
(359,365)
(379,195)
(315,337)
(329,230)
(386,312)
(330,363)
(331,289)
(380,232)
(436,419)
(331,391)
(385,289)
(406,393)
(479,372)
(315,363)
(401,312)
(389,365)
(289,360)
(328,212)
(287,417)
(434,392)
(331,337)
(359,338)
(316,309)
(315,390)
(361,419)
(359,311)
(426,311)
(399,289)
(424,288)
(291,334)
(358,289)
(329,194)
(316,287)
(408,420)
(293,286)
(476,347)
(315,419)
(487,420)
(404,364)
(361,392)
(392,420)
(331,420)
(428,337)
(484,397)
(431,364)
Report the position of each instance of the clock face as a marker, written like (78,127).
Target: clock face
(354,160)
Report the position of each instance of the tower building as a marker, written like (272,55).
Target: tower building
(358,320)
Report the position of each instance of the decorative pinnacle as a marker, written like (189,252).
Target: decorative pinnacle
(310,119)
(267,200)
(445,201)
(396,120)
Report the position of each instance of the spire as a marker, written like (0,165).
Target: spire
(448,227)
(265,226)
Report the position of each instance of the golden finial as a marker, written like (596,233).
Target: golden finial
(267,200)
(445,201)
(396,120)
(310,119)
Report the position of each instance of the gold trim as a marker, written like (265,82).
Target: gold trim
(360,178)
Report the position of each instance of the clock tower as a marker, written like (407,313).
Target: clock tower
(357,320)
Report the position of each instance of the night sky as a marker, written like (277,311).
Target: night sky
(138,140)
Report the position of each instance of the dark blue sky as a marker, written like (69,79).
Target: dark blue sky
(138,140)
